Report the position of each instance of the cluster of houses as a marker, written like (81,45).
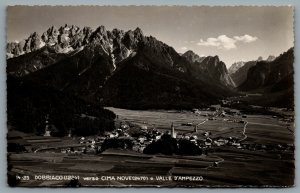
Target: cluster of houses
(150,135)
(86,145)
(203,139)
(92,145)
(147,136)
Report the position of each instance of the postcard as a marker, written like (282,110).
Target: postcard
(150,96)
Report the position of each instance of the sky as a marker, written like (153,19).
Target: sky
(240,33)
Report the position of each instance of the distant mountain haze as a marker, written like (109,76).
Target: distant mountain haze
(235,66)
(238,70)
(268,75)
(273,79)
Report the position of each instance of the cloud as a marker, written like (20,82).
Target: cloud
(225,42)
(184,48)
(245,38)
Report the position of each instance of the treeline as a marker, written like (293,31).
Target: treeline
(28,105)
(168,146)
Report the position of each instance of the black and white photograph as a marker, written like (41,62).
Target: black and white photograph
(150,96)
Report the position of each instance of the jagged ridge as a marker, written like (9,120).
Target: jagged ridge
(211,67)
(95,58)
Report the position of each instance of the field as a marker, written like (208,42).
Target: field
(269,161)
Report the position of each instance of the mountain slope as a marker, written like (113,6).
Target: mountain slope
(275,80)
(210,67)
(238,71)
(28,104)
(192,57)
(240,75)
(136,86)
(117,68)
(235,66)
(268,74)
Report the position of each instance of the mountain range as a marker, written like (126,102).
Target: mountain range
(124,69)
(211,67)
(238,70)
(269,76)
(82,70)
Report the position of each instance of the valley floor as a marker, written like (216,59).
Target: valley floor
(263,154)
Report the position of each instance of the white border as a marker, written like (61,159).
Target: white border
(3,169)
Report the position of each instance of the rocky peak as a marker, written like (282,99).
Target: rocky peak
(101,30)
(217,70)
(271,58)
(50,36)
(34,35)
(216,59)
(33,42)
(265,74)
(87,30)
(117,33)
(192,57)
(260,58)
(211,61)
(138,33)
(212,67)
(115,45)
(70,37)
(131,38)
(52,30)
(99,34)
(190,53)
(235,66)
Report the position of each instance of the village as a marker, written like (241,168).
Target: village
(204,131)
(223,137)
(137,137)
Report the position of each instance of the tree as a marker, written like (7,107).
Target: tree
(166,145)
